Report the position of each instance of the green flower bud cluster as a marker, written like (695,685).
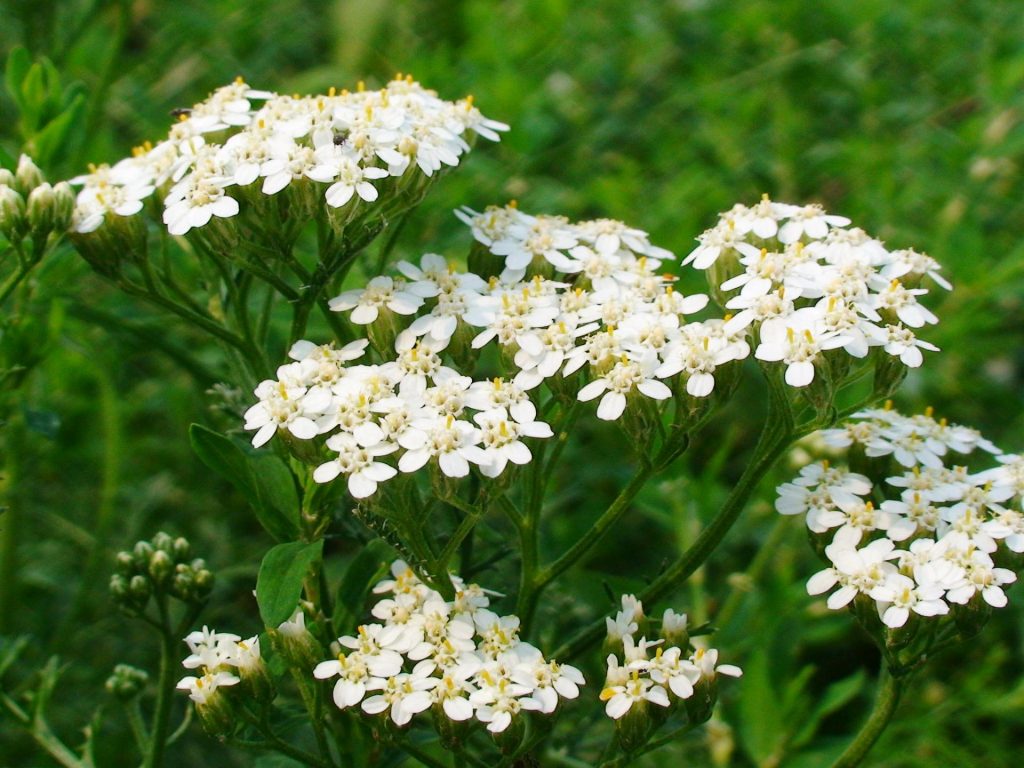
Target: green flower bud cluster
(162,567)
(32,207)
(126,682)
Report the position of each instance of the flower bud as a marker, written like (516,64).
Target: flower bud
(202,584)
(118,588)
(28,176)
(64,206)
(140,588)
(142,551)
(294,642)
(675,629)
(163,542)
(160,567)
(13,223)
(126,682)
(181,549)
(40,209)
(125,563)
(6,178)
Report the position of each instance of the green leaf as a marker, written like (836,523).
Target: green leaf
(761,727)
(279,584)
(56,134)
(33,98)
(260,476)
(365,568)
(836,697)
(18,63)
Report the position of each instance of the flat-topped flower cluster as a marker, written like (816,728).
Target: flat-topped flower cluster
(585,309)
(223,659)
(810,285)
(241,141)
(662,671)
(935,539)
(456,656)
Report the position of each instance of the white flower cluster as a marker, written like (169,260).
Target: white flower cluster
(456,656)
(220,656)
(811,285)
(413,404)
(948,521)
(342,141)
(672,674)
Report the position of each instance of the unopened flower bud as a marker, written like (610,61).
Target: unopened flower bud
(202,584)
(163,542)
(28,176)
(142,551)
(126,682)
(181,549)
(13,223)
(160,567)
(64,206)
(125,563)
(118,587)
(140,588)
(675,629)
(6,178)
(40,210)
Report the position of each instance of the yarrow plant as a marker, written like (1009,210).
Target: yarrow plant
(917,543)
(410,417)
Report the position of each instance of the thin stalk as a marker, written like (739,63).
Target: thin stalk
(138,726)
(598,530)
(14,281)
(776,436)
(14,438)
(40,731)
(164,698)
(889,691)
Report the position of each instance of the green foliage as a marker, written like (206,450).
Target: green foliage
(284,570)
(261,477)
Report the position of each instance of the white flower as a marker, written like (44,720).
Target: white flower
(405,694)
(899,595)
(621,698)
(200,689)
(797,343)
(620,381)
(499,436)
(380,292)
(356,461)
(348,177)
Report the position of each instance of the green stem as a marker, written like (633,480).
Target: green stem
(137,725)
(598,530)
(889,691)
(776,436)
(164,698)
(42,734)
(13,282)
(533,588)
(14,449)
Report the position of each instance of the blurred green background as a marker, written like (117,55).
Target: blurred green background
(906,117)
